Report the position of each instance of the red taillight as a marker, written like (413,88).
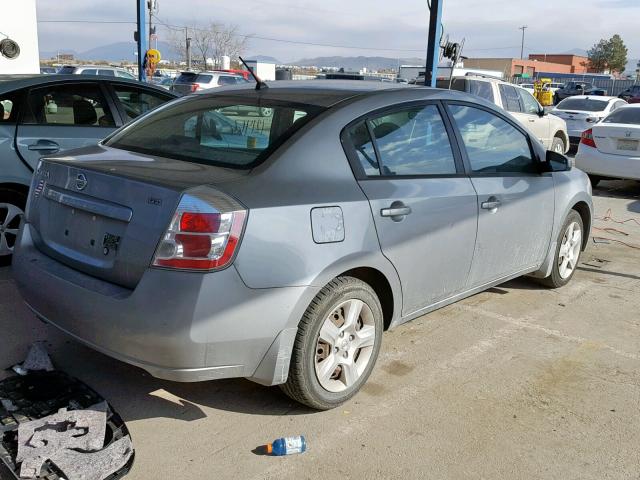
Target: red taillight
(587,138)
(204,233)
(199,222)
(194,87)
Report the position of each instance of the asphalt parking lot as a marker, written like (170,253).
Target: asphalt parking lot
(518,382)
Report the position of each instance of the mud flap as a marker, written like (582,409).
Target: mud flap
(274,367)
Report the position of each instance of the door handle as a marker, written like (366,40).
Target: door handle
(397,211)
(491,204)
(532,120)
(44,146)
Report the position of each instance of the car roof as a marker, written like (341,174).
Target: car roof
(9,83)
(323,93)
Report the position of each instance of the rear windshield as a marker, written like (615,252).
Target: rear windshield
(66,70)
(219,131)
(628,115)
(193,77)
(584,104)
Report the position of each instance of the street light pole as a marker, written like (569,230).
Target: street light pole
(523,28)
(433,47)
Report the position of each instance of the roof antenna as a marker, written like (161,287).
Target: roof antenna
(259,83)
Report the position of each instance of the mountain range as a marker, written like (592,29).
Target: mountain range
(117,52)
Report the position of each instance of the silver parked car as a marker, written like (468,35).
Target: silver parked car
(47,114)
(189,82)
(281,255)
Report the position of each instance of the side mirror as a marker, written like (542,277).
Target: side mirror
(542,112)
(556,162)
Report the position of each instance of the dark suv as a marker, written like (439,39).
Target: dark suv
(631,95)
(572,89)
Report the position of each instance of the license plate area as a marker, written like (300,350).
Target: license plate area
(627,145)
(81,235)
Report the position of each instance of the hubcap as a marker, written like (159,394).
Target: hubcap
(345,345)
(559,148)
(569,250)
(9,224)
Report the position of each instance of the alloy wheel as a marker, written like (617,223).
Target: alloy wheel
(10,216)
(569,250)
(345,345)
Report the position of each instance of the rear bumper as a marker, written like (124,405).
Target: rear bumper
(594,162)
(175,325)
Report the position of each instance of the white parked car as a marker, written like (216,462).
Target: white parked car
(104,70)
(582,112)
(549,129)
(611,148)
(529,87)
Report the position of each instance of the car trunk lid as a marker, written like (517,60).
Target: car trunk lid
(105,217)
(617,139)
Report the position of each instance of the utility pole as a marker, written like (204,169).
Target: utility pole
(433,47)
(141,38)
(523,28)
(187,40)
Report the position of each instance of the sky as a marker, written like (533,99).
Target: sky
(396,29)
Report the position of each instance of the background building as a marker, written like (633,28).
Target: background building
(577,63)
(18,22)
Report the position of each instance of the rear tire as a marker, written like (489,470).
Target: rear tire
(348,343)
(595,180)
(12,205)
(568,251)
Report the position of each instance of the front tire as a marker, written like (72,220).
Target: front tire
(568,251)
(337,344)
(558,145)
(12,205)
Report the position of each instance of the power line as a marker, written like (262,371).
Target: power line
(270,39)
(257,37)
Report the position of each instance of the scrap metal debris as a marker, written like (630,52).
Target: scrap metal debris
(94,466)
(39,440)
(54,427)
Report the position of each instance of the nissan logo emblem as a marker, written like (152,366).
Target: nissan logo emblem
(81,181)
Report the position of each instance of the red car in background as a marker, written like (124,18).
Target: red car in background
(631,95)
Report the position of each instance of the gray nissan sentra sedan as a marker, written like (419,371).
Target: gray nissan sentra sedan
(201,246)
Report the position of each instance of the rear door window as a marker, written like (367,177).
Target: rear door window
(69,104)
(89,71)
(106,72)
(136,101)
(510,98)
(362,144)
(412,141)
(9,107)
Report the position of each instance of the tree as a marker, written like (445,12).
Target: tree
(213,41)
(608,54)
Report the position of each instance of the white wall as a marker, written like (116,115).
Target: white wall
(18,21)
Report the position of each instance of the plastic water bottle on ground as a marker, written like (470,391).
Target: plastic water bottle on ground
(287,446)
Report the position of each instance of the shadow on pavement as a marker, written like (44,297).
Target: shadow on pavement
(137,395)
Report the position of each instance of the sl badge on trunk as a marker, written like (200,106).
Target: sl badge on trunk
(110,242)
